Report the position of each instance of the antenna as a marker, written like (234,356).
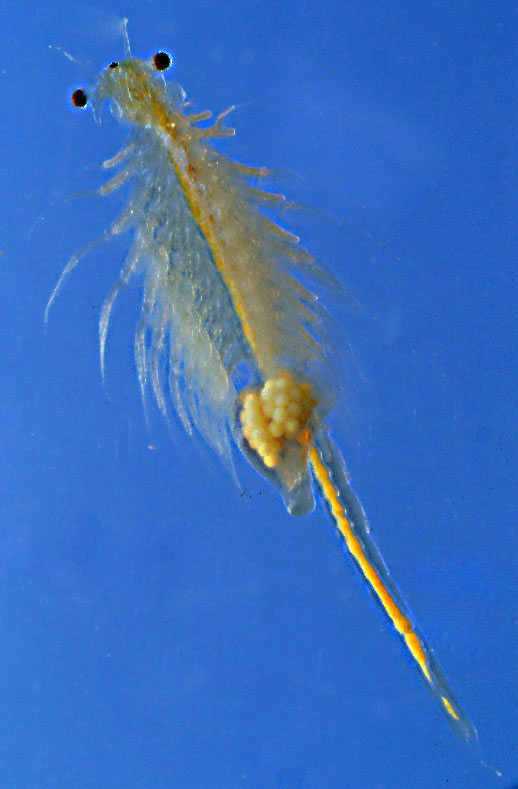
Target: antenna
(86,66)
(125,37)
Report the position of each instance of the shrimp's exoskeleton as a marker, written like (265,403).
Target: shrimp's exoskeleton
(231,330)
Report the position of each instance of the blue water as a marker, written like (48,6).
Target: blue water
(160,626)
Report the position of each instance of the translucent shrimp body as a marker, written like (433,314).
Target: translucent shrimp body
(227,320)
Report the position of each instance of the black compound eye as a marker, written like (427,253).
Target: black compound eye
(79,99)
(113,64)
(161,61)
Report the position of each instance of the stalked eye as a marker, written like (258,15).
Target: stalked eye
(161,61)
(78,98)
(113,64)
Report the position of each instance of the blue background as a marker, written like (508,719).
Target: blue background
(159,626)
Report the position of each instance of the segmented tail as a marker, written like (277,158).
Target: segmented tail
(349,518)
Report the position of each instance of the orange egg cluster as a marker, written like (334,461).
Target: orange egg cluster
(278,412)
